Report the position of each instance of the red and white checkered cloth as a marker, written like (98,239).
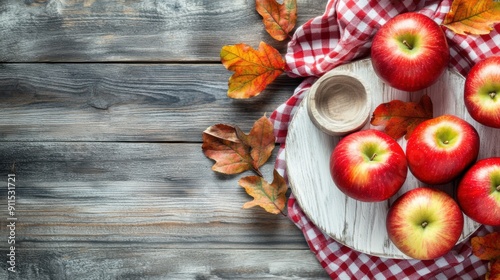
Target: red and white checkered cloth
(343,34)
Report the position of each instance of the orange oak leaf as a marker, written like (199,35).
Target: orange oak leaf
(473,17)
(271,197)
(400,118)
(253,69)
(494,270)
(278,19)
(261,139)
(235,151)
(486,247)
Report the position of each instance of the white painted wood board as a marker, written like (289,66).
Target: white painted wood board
(361,225)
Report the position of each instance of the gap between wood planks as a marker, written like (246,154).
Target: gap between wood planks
(182,62)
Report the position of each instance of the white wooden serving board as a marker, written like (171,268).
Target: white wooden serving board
(361,225)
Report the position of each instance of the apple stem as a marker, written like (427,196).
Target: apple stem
(373,156)
(492,94)
(498,188)
(446,142)
(407,44)
(424,224)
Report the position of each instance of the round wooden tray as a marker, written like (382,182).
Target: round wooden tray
(361,225)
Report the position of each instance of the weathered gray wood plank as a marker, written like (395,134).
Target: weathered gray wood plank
(96,197)
(141,263)
(132,30)
(141,210)
(124,102)
(158,195)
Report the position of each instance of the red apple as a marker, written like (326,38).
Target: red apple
(478,192)
(410,52)
(368,165)
(424,223)
(441,148)
(482,92)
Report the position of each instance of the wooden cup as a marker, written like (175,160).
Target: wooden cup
(339,103)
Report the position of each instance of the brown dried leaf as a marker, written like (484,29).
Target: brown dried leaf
(271,197)
(223,131)
(234,151)
(230,157)
(279,19)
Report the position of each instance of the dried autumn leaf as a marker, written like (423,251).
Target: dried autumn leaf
(494,267)
(230,157)
(253,69)
(278,19)
(473,17)
(271,197)
(486,247)
(400,118)
(235,151)
(260,139)
(223,131)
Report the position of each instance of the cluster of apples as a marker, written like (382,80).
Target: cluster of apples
(410,53)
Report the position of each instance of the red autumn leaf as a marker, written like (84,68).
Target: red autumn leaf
(494,267)
(278,19)
(271,197)
(253,69)
(235,151)
(400,118)
(486,247)
(473,17)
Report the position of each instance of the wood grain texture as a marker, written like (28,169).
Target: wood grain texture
(148,210)
(132,30)
(111,182)
(125,102)
(158,195)
(136,262)
(361,225)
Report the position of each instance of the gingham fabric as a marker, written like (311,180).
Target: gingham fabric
(343,34)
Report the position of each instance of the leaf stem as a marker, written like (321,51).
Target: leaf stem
(281,211)
(256,170)
(407,44)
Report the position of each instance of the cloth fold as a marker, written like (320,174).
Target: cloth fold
(341,35)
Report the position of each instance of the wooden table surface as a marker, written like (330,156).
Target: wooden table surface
(102,106)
